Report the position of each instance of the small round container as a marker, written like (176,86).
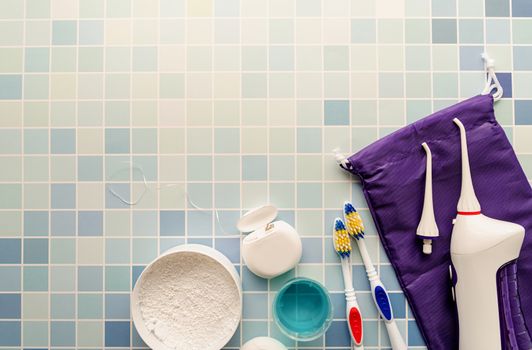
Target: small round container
(302,309)
(149,338)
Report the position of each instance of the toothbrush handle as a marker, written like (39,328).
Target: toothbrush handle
(382,301)
(396,339)
(354,323)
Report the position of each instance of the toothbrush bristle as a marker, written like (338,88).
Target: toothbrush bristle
(341,241)
(355,226)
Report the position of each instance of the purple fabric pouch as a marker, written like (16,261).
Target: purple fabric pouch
(392,171)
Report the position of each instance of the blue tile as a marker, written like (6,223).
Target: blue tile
(523,112)
(230,247)
(35,223)
(522,57)
(120,195)
(91,32)
(255,305)
(470,58)
(117,141)
(338,334)
(90,223)
(117,306)
(506,82)
(444,31)
(37,59)
(136,340)
(199,223)
(172,223)
(63,223)
(389,278)
(312,250)
(398,305)
(10,87)
(254,168)
(63,306)
(36,141)
(9,306)
(117,333)
(90,278)
(497,8)
(309,140)
(64,32)
(10,251)
(35,278)
(63,196)
(227,223)
(10,278)
(63,141)
(90,168)
(135,273)
(443,8)
(10,333)
(36,251)
(203,241)
(287,215)
(145,223)
(339,305)
(63,333)
(251,282)
(520,8)
(414,335)
(336,112)
(360,278)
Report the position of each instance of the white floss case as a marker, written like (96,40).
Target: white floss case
(271,248)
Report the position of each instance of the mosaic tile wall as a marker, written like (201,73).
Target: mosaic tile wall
(234,102)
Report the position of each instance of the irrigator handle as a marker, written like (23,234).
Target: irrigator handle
(468,203)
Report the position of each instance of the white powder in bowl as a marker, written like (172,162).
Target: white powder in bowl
(189,301)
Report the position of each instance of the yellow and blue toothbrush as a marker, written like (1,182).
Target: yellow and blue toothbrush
(342,245)
(355,228)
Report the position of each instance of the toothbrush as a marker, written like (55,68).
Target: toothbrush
(355,228)
(342,245)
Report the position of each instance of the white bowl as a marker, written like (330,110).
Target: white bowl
(149,338)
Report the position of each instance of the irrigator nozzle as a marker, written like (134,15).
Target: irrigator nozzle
(468,203)
(428,228)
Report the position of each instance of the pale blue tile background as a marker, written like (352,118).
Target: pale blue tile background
(223,104)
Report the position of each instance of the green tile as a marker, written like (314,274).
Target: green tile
(35,333)
(391,85)
(417,58)
(12,168)
(522,30)
(91,8)
(522,84)
(37,8)
(417,31)
(62,251)
(445,85)
(418,85)
(504,111)
(417,109)
(144,250)
(117,278)
(10,196)
(62,278)
(471,31)
(445,58)
(390,31)
(90,333)
(11,61)
(90,59)
(90,306)
(11,222)
(11,9)
(417,8)
(35,306)
(391,112)
(35,278)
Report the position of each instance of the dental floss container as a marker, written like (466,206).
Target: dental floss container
(273,247)
(480,246)
(263,343)
(427,229)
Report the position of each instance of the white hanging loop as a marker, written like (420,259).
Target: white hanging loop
(341,159)
(492,82)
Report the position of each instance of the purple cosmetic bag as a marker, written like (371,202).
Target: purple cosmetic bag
(392,171)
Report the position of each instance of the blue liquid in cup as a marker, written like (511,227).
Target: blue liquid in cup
(302,309)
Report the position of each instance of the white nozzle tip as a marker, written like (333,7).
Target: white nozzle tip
(427,246)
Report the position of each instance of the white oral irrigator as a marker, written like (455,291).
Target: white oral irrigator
(480,246)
